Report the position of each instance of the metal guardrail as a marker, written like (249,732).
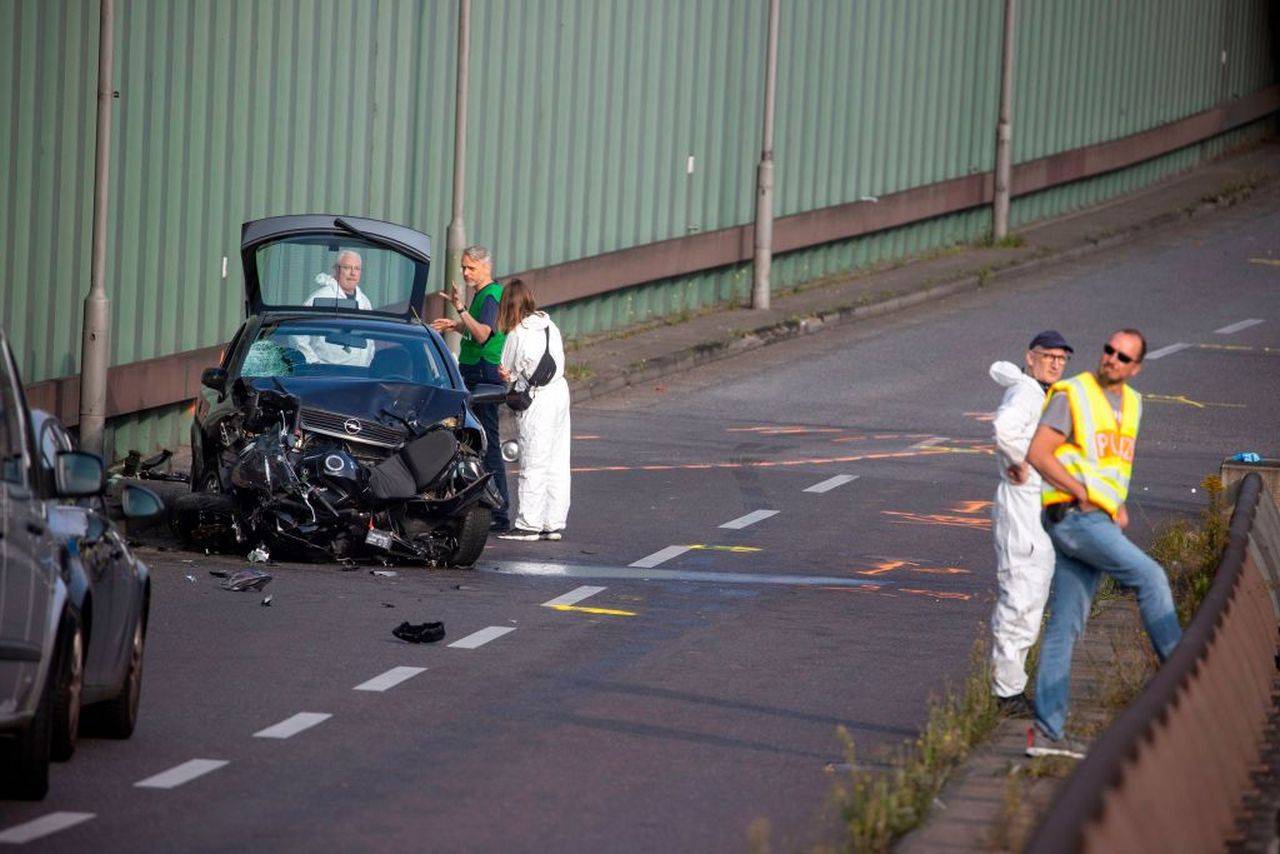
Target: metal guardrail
(1170,772)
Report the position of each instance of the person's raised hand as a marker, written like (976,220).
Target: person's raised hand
(444,324)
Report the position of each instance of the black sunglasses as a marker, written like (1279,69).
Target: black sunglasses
(1124,358)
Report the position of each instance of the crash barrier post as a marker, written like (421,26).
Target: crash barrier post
(1171,771)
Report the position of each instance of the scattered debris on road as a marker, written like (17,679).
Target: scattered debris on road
(259,555)
(423,633)
(219,573)
(384,573)
(191,578)
(248,579)
(266,601)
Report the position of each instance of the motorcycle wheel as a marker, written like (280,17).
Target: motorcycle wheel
(473,530)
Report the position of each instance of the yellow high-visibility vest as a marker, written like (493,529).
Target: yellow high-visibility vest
(1100,451)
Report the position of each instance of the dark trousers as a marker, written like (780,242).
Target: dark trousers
(487,414)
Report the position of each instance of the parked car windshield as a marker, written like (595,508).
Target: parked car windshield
(345,347)
(347,273)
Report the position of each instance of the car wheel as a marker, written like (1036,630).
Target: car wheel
(117,717)
(473,530)
(209,480)
(67,694)
(24,767)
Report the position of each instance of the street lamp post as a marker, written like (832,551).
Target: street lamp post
(763,256)
(1004,132)
(457,239)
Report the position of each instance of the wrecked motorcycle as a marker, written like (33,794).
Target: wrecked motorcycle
(301,490)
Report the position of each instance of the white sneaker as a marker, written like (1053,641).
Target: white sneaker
(552,535)
(1039,744)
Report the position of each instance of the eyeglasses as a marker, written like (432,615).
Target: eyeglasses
(1055,358)
(1124,358)
(349,268)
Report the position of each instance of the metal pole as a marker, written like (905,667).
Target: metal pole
(764,175)
(457,240)
(1004,131)
(94,350)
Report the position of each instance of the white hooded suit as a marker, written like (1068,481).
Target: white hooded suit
(1024,553)
(542,429)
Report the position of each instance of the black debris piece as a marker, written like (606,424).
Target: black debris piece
(424,633)
(247,579)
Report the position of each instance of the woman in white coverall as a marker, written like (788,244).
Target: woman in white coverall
(543,428)
(1024,554)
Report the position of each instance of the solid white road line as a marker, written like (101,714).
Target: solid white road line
(1236,327)
(749,519)
(390,679)
(1167,351)
(573,597)
(660,556)
(179,774)
(832,482)
(482,637)
(43,826)
(290,727)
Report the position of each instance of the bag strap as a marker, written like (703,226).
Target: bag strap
(546,330)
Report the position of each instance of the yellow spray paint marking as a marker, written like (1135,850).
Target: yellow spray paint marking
(784,431)
(582,609)
(580,437)
(1240,348)
(939,519)
(981,416)
(971,507)
(764,464)
(911,566)
(1186,401)
(938,594)
(1270,262)
(734,549)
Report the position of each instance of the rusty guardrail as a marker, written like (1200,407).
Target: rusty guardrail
(1170,772)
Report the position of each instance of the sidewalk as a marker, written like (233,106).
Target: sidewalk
(610,362)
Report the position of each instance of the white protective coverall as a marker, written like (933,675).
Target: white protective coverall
(315,349)
(542,429)
(1024,554)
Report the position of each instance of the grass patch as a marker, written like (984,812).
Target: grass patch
(877,806)
(1190,554)
(1009,241)
(579,372)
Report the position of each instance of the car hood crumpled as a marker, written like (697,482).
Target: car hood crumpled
(368,399)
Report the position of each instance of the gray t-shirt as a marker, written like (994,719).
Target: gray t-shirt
(1057,413)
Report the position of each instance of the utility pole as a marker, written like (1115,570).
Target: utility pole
(1004,131)
(764,175)
(94,349)
(457,240)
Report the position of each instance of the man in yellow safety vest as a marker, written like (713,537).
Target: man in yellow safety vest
(1083,449)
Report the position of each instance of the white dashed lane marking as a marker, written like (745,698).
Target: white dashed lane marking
(660,556)
(179,774)
(482,637)
(1167,351)
(832,482)
(289,727)
(749,519)
(42,826)
(390,679)
(1236,327)
(573,597)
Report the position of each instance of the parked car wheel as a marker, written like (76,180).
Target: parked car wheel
(24,765)
(67,693)
(117,717)
(472,533)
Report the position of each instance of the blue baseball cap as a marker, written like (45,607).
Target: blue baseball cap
(1050,339)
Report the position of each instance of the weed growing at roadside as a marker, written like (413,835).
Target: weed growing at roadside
(1190,555)
(878,806)
(579,372)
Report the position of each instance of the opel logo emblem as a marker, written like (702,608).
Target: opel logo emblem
(352,426)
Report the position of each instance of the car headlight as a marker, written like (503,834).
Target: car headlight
(451,422)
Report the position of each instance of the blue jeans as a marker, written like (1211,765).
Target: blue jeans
(487,415)
(1087,545)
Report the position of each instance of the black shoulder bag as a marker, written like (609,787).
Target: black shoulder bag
(542,374)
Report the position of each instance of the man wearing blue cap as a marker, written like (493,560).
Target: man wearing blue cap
(1024,554)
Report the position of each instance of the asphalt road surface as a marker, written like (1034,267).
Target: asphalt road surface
(760,552)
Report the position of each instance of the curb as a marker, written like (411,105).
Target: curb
(786,330)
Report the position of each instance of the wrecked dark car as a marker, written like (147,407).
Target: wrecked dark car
(338,424)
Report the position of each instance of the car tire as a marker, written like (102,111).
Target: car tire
(24,765)
(473,531)
(117,717)
(204,520)
(67,692)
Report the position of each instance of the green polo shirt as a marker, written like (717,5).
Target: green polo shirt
(471,352)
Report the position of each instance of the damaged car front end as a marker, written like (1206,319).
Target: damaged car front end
(338,424)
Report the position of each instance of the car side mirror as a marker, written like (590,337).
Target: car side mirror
(78,474)
(140,502)
(214,378)
(489,393)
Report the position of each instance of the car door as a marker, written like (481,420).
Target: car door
(110,568)
(29,573)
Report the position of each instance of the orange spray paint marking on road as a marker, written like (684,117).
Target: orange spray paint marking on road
(971,507)
(810,461)
(581,438)
(912,566)
(937,594)
(981,416)
(939,519)
(883,566)
(783,431)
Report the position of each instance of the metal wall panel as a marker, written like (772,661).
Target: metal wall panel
(595,126)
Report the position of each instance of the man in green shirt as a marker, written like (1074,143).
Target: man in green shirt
(479,356)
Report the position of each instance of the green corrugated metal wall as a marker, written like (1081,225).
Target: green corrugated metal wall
(584,114)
